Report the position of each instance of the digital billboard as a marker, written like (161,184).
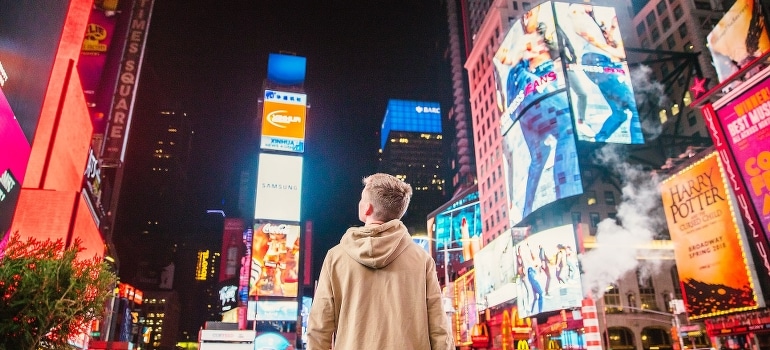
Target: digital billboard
(601,95)
(279,187)
(276,310)
(283,121)
(275,260)
(738,38)
(495,272)
(410,116)
(541,163)
(232,241)
(458,225)
(713,268)
(547,270)
(286,69)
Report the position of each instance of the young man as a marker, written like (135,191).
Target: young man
(377,288)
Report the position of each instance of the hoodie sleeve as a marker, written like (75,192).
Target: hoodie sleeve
(440,335)
(321,323)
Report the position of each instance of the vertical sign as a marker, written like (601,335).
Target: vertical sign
(128,77)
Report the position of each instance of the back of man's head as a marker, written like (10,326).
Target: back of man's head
(389,196)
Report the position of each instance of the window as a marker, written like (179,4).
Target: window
(594,219)
(683,31)
(663,115)
(647,298)
(691,119)
(650,18)
(703,5)
(678,13)
(661,8)
(590,197)
(675,280)
(612,303)
(525,6)
(666,24)
(671,42)
(609,197)
(655,34)
(640,29)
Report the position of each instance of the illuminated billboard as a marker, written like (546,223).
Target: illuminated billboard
(547,269)
(738,38)
(286,69)
(276,310)
(279,187)
(232,241)
(539,150)
(466,316)
(495,267)
(458,224)
(275,260)
(283,121)
(710,258)
(601,95)
(738,124)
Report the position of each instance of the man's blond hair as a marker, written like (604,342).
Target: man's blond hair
(389,196)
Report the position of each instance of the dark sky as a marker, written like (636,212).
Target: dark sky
(209,58)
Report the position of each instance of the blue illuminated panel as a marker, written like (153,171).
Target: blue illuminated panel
(410,116)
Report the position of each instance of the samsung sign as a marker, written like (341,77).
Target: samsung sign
(279,187)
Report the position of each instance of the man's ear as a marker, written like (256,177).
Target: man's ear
(369,209)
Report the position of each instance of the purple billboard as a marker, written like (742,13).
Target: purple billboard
(13,163)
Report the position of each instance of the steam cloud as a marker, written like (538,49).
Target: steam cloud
(650,96)
(639,216)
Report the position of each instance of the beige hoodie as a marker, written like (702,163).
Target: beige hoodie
(378,290)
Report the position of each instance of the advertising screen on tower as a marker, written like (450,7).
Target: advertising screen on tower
(710,258)
(275,253)
(541,163)
(279,187)
(601,95)
(283,121)
(547,269)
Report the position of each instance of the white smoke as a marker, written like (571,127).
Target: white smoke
(650,97)
(639,219)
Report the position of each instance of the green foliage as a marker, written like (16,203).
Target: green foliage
(48,294)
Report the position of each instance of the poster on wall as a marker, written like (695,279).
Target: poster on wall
(275,260)
(547,271)
(710,258)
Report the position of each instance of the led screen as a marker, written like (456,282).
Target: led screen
(709,256)
(286,69)
(276,310)
(459,226)
(279,187)
(466,315)
(275,260)
(547,272)
(746,123)
(539,149)
(738,38)
(232,241)
(602,97)
(283,121)
(410,116)
(495,272)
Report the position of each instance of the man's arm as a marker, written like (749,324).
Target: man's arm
(321,323)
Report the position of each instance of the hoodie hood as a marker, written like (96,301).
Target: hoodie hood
(376,246)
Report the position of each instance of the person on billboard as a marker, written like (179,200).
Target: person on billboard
(378,289)
(532,265)
(601,51)
(532,82)
(545,267)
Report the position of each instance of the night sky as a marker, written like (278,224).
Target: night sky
(209,59)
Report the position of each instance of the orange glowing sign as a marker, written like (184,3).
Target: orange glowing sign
(709,255)
(283,121)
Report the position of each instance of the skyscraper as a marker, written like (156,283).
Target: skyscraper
(411,148)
